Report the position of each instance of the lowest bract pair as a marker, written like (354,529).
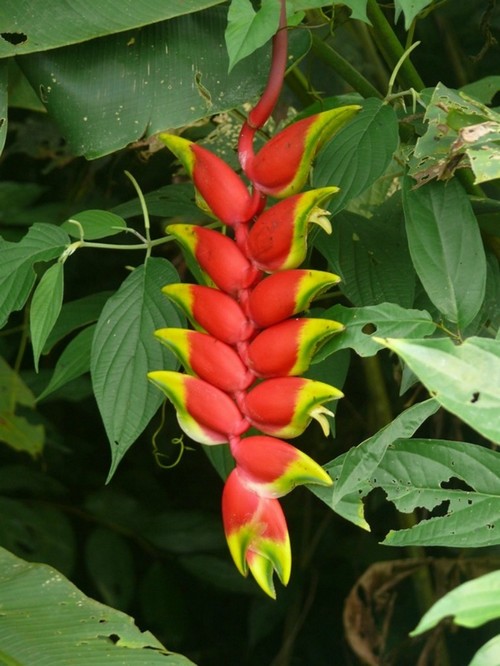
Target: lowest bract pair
(245,358)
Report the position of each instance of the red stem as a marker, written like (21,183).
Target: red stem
(264,107)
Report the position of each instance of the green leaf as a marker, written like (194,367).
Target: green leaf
(352,472)
(110,566)
(94,224)
(464,378)
(43,242)
(483,89)
(371,256)
(108,93)
(460,130)
(61,22)
(362,324)
(45,307)
(125,350)
(410,9)
(73,362)
(248,30)
(75,314)
(184,532)
(470,605)
(16,430)
(423,473)
(446,248)
(43,614)
(359,153)
(488,654)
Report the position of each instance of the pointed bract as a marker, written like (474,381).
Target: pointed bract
(256,530)
(205,413)
(284,406)
(287,348)
(272,467)
(212,311)
(221,191)
(287,293)
(217,254)
(208,358)
(281,167)
(278,239)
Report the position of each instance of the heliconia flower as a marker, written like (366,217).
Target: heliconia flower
(217,254)
(287,348)
(281,167)
(205,413)
(208,358)
(285,294)
(211,310)
(284,406)
(256,533)
(278,239)
(221,191)
(272,467)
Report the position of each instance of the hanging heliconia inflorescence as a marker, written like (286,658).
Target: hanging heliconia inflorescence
(245,358)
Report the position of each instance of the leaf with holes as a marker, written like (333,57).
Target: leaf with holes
(124,350)
(464,378)
(60,624)
(58,23)
(362,324)
(432,474)
(353,471)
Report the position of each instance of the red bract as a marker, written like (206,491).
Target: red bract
(247,324)
(286,294)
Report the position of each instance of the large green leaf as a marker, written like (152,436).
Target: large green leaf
(94,224)
(125,350)
(464,379)
(107,93)
(353,471)
(47,621)
(362,324)
(17,276)
(371,256)
(422,474)
(359,153)
(57,23)
(446,248)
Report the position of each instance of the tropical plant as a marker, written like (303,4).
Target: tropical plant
(375,272)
